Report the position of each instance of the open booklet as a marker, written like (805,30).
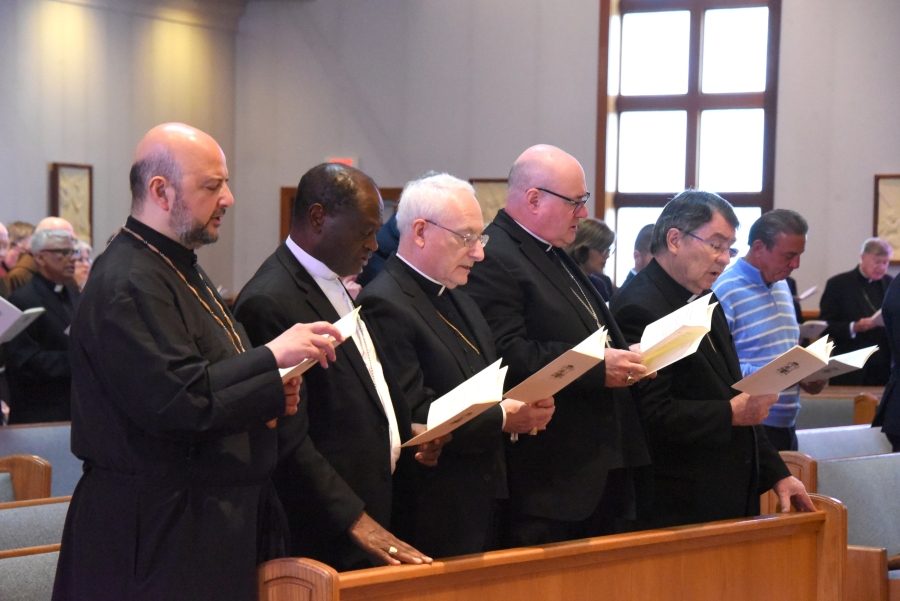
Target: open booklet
(13,320)
(346,325)
(843,364)
(787,369)
(676,335)
(562,371)
(464,403)
(485,389)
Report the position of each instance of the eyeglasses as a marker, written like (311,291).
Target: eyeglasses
(576,203)
(62,252)
(469,240)
(718,248)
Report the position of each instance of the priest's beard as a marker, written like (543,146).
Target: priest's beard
(189,233)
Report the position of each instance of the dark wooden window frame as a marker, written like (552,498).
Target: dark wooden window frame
(693,102)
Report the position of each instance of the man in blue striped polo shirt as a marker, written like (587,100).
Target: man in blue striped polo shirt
(760,310)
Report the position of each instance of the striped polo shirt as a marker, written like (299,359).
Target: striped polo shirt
(764,325)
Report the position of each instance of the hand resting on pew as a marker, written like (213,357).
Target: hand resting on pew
(383,547)
(791,492)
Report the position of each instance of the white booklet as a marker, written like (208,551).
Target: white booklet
(676,335)
(13,320)
(806,293)
(812,329)
(843,364)
(464,403)
(787,369)
(562,371)
(346,325)
(878,318)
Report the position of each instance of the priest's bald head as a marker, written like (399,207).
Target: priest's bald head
(547,193)
(336,215)
(179,184)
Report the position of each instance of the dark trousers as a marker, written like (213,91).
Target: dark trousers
(528,530)
(783,439)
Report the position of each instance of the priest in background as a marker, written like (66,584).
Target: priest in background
(849,303)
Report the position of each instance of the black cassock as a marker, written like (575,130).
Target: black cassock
(175,501)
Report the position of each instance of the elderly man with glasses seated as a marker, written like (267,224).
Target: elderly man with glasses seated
(38,358)
(711,457)
(577,479)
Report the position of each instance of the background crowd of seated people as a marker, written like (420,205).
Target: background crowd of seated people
(44,266)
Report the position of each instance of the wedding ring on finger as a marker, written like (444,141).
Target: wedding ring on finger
(630,379)
(392,550)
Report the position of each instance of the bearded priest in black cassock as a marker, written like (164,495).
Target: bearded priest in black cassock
(170,403)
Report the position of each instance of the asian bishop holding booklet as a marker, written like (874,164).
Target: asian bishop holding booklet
(438,340)
(577,479)
(711,460)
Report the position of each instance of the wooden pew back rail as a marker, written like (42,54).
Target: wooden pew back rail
(794,556)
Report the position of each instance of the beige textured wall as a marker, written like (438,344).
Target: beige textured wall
(81,84)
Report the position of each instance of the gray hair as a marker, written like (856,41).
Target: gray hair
(42,238)
(878,247)
(687,212)
(779,221)
(426,198)
(83,247)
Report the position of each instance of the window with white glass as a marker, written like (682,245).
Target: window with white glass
(693,85)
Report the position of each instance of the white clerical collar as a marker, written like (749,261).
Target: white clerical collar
(419,271)
(315,267)
(541,240)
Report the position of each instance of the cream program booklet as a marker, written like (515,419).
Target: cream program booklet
(562,371)
(13,320)
(787,369)
(346,325)
(676,335)
(465,402)
(843,364)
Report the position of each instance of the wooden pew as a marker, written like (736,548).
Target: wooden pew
(50,441)
(29,575)
(797,557)
(839,406)
(31,524)
(30,476)
(843,441)
(867,564)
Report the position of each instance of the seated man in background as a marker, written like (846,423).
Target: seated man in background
(38,358)
(27,266)
(590,250)
(339,455)
(759,308)
(642,254)
(711,458)
(439,339)
(849,303)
